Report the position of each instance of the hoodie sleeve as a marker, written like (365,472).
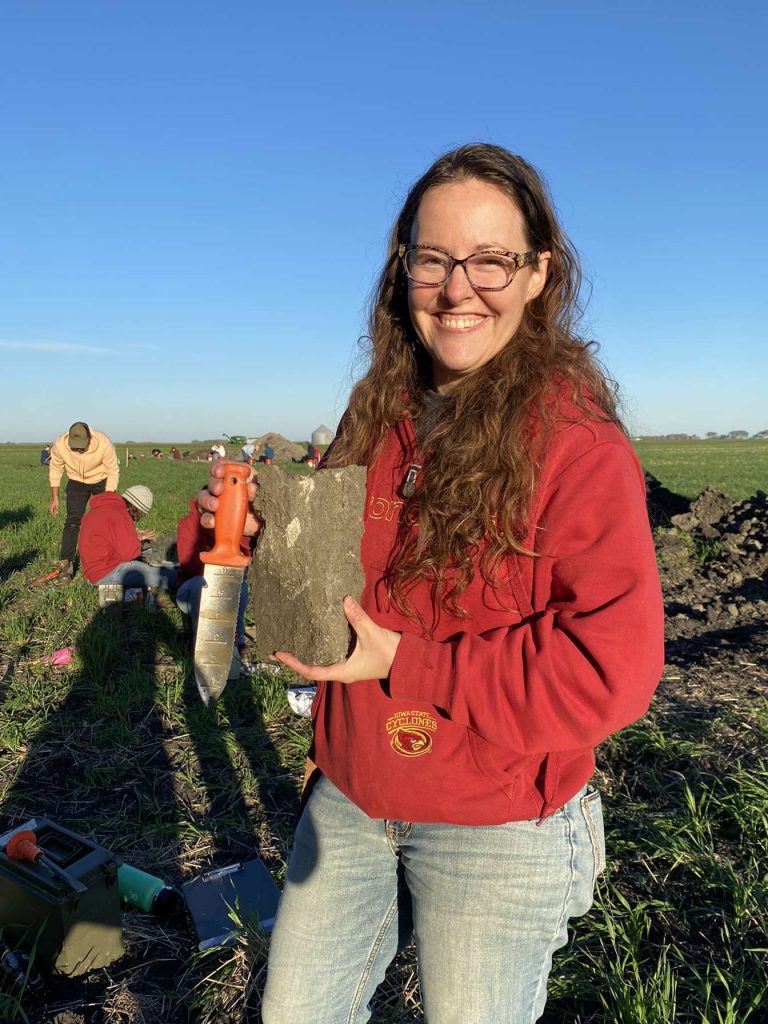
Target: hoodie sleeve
(56,464)
(588,659)
(111,468)
(189,544)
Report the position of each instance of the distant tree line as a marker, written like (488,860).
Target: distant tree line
(711,435)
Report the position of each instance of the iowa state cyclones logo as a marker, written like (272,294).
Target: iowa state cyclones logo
(410,732)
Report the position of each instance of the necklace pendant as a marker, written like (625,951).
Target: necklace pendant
(409,484)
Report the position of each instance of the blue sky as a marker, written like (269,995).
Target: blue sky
(156,159)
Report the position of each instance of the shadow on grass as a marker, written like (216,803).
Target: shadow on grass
(128,755)
(15,516)
(239,766)
(14,563)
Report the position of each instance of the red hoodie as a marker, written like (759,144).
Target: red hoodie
(107,536)
(495,717)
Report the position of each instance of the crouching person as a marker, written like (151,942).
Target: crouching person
(110,544)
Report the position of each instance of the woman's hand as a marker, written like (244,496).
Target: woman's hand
(147,534)
(208,501)
(372,657)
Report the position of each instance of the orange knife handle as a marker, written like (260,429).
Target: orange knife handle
(230,519)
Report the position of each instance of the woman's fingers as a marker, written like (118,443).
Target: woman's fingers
(313,673)
(207,504)
(208,501)
(356,616)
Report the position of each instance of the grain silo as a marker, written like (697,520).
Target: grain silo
(322,435)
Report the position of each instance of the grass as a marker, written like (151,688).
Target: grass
(679,930)
(739,468)
(120,748)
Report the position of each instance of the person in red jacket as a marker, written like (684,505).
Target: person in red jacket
(191,539)
(110,544)
(510,621)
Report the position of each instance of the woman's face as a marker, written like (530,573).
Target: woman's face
(462,329)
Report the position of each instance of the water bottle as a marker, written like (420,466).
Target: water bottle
(145,891)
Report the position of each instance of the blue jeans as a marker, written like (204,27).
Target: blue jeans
(488,907)
(140,574)
(188,600)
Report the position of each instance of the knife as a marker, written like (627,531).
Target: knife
(223,577)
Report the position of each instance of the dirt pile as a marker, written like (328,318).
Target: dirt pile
(741,527)
(714,568)
(285,450)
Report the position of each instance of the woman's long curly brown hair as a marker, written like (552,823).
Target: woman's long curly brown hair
(483,455)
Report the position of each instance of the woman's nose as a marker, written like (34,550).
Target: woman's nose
(457,287)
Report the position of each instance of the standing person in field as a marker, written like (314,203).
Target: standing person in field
(89,460)
(511,620)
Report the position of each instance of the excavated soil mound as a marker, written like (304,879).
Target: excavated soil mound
(707,510)
(714,576)
(714,567)
(284,449)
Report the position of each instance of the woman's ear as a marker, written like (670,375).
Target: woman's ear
(538,276)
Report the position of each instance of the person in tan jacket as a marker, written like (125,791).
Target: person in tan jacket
(89,460)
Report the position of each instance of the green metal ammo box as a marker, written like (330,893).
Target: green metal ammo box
(71,931)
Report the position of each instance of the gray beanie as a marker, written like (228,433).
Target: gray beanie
(140,497)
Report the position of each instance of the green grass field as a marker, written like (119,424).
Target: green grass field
(739,468)
(119,747)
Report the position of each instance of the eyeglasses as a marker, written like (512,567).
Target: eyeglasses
(488,271)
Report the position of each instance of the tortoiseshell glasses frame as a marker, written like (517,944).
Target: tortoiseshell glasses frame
(436,276)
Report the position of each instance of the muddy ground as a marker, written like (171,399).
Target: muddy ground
(713,559)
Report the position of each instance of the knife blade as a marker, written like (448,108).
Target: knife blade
(223,577)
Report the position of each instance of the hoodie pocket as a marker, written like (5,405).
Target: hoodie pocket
(504,767)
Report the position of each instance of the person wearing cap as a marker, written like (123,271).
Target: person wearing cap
(89,460)
(110,544)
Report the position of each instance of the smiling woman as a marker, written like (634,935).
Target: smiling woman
(510,621)
(465,316)
(468,364)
